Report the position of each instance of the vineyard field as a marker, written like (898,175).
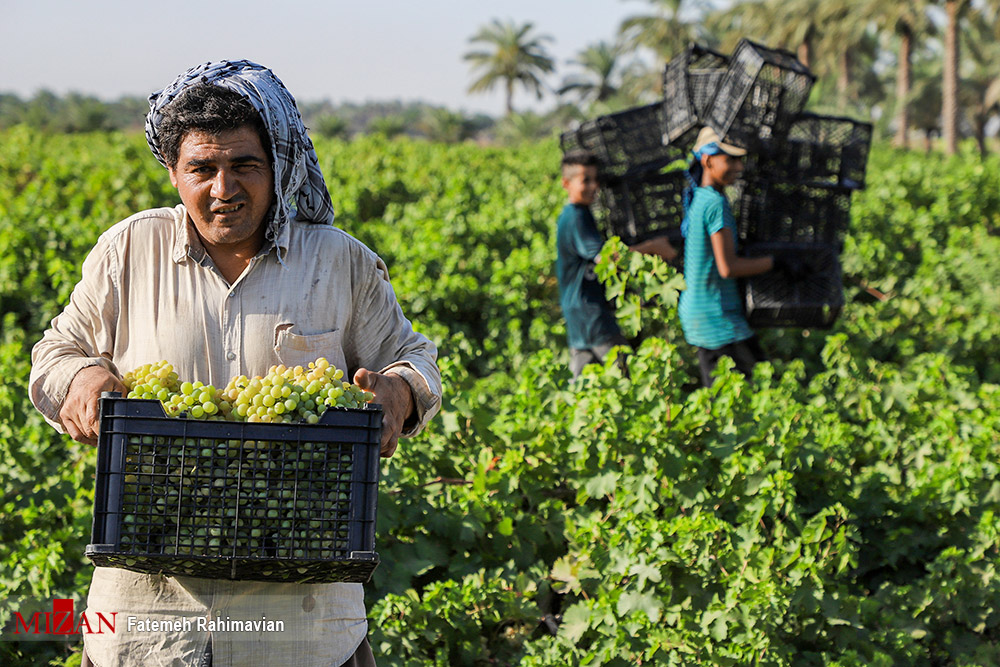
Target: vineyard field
(841,507)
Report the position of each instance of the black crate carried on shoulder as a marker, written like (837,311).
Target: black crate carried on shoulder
(690,81)
(570,141)
(791,212)
(760,95)
(822,150)
(642,206)
(236,500)
(624,141)
(813,301)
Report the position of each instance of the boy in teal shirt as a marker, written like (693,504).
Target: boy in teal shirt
(591,326)
(710,309)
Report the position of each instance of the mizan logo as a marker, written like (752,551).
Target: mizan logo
(62,621)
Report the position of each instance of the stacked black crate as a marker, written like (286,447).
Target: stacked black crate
(690,82)
(795,200)
(761,93)
(642,178)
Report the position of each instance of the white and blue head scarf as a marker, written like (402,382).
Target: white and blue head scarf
(299,189)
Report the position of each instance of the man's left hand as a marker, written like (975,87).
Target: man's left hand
(396,398)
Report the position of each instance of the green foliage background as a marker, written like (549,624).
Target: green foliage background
(839,509)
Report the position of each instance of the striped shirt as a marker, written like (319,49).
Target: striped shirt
(710,310)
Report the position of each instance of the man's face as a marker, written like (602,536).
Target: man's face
(580,183)
(227,185)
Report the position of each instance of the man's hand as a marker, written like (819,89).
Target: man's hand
(396,398)
(656,246)
(79,414)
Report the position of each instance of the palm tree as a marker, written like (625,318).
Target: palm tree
(788,24)
(832,39)
(513,56)
(842,42)
(664,32)
(955,11)
(925,96)
(906,21)
(752,19)
(601,63)
(797,25)
(980,91)
(641,83)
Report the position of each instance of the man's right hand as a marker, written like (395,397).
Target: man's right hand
(79,414)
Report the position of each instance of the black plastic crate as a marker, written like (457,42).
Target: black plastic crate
(236,500)
(815,301)
(792,212)
(823,150)
(690,81)
(570,141)
(625,141)
(760,95)
(642,206)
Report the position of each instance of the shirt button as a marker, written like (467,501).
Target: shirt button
(232,295)
(231,356)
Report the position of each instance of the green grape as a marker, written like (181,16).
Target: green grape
(283,394)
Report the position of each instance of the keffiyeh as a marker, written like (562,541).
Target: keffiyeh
(299,188)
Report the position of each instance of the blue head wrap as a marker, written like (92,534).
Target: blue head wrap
(694,174)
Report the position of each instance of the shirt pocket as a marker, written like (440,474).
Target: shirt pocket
(295,349)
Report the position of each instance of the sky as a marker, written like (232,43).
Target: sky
(343,51)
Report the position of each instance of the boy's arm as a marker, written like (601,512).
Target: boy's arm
(719,225)
(660,246)
(586,239)
(731,266)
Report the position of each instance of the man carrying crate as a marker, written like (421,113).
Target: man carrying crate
(248,272)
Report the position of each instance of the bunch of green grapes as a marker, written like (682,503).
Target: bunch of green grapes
(292,394)
(282,395)
(156,380)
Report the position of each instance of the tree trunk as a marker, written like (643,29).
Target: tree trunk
(903,71)
(980,122)
(843,79)
(949,103)
(510,96)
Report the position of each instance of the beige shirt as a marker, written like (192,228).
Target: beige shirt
(151,292)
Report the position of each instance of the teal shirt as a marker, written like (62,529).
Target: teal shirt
(710,310)
(590,320)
